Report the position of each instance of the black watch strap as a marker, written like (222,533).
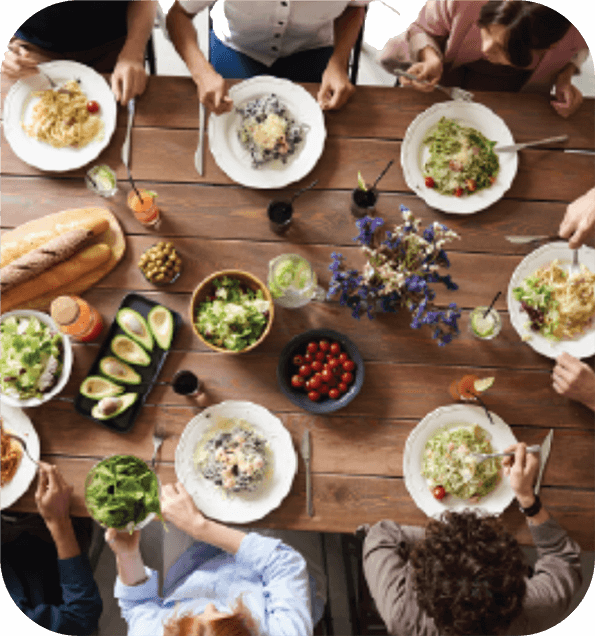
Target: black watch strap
(533,509)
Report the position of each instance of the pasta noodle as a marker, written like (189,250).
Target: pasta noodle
(61,118)
(10,457)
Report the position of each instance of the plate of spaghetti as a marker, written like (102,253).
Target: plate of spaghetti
(64,128)
(18,470)
(550,309)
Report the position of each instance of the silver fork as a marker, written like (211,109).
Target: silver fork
(159,436)
(23,443)
(454,92)
(575,268)
(480,457)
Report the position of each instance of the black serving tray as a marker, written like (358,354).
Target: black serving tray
(123,423)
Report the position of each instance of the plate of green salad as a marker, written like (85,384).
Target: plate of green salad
(440,471)
(448,157)
(35,358)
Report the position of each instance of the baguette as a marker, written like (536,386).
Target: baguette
(42,258)
(29,236)
(62,274)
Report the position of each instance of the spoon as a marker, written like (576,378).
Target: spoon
(297,194)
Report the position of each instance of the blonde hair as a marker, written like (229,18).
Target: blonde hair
(239,623)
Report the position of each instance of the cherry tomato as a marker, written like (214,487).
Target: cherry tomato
(315,382)
(316,365)
(327,375)
(348,365)
(347,377)
(430,182)
(323,390)
(335,348)
(312,347)
(314,396)
(92,106)
(492,178)
(471,185)
(308,357)
(320,356)
(343,357)
(459,192)
(329,357)
(297,381)
(324,345)
(439,492)
(333,363)
(298,360)
(333,381)
(305,370)
(334,393)
(342,387)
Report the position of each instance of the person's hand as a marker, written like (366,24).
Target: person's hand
(578,223)
(52,495)
(178,507)
(122,543)
(522,471)
(129,78)
(20,62)
(212,93)
(568,97)
(335,87)
(574,379)
(428,69)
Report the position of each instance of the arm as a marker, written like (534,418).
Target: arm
(335,87)
(578,223)
(212,88)
(567,96)
(129,78)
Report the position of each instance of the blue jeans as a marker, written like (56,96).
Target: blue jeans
(305,66)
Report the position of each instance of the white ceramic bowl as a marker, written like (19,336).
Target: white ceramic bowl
(66,363)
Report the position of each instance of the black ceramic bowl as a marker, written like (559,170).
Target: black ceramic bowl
(285,369)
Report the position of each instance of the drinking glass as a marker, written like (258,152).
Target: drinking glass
(292,281)
(485,328)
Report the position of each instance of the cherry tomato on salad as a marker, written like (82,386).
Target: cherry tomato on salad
(471,185)
(92,106)
(439,492)
(348,365)
(314,396)
(430,182)
(324,345)
(297,381)
(459,192)
(312,347)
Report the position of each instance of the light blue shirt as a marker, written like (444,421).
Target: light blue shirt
(271,577)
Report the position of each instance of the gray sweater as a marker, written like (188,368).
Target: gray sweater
(556,578)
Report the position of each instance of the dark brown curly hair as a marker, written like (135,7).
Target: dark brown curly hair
(469,574)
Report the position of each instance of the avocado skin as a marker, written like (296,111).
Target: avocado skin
(128,399)
(112,388)
(146,339)
(138,356)
(163,339)
(130,376)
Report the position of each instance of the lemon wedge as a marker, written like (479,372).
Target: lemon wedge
(483,384)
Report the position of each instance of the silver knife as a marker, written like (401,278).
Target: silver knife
(521,240)
(198,155)
(126,146)
(546,446)
(306,455)
(516,147)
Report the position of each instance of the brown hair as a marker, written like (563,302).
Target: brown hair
(469,574)
(239,623)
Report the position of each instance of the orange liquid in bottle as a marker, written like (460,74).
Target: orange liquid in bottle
(144,207)
(76,318)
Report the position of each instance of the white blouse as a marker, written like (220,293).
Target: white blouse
(270,29)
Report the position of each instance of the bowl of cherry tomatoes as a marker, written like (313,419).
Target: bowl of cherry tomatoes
(320,370)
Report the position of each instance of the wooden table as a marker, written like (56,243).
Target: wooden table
(216,224)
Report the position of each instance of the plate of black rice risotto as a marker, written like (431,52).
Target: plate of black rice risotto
(237,461)
(273,136)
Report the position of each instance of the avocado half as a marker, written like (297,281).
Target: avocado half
(161,324)
(96,387)
(118,370)
(130,351)
(110,407)
(135,326)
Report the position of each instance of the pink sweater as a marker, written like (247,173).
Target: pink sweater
(450,27)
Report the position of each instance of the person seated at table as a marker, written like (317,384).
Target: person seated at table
(53,585)
(109,36)
(306,41)
(491,46)
(466,575)
(227,582)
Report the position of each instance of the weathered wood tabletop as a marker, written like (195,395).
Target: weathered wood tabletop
(216,224)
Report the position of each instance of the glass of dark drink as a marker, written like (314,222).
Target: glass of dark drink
(280,213)
(363,202)
(186,383)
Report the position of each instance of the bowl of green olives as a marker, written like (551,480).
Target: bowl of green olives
(161,264)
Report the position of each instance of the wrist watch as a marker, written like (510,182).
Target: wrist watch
(533,509)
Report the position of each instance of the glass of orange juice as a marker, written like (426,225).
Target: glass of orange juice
(144,207)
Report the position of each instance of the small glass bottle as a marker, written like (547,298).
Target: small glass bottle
(75,317)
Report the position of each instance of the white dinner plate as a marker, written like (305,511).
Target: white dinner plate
(235,160)
(18,108)
(581,346)
(210,499)
(15,421)
(414,154)
(454,416)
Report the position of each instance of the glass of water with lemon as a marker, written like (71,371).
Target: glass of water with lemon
(485,326)
(292,281)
